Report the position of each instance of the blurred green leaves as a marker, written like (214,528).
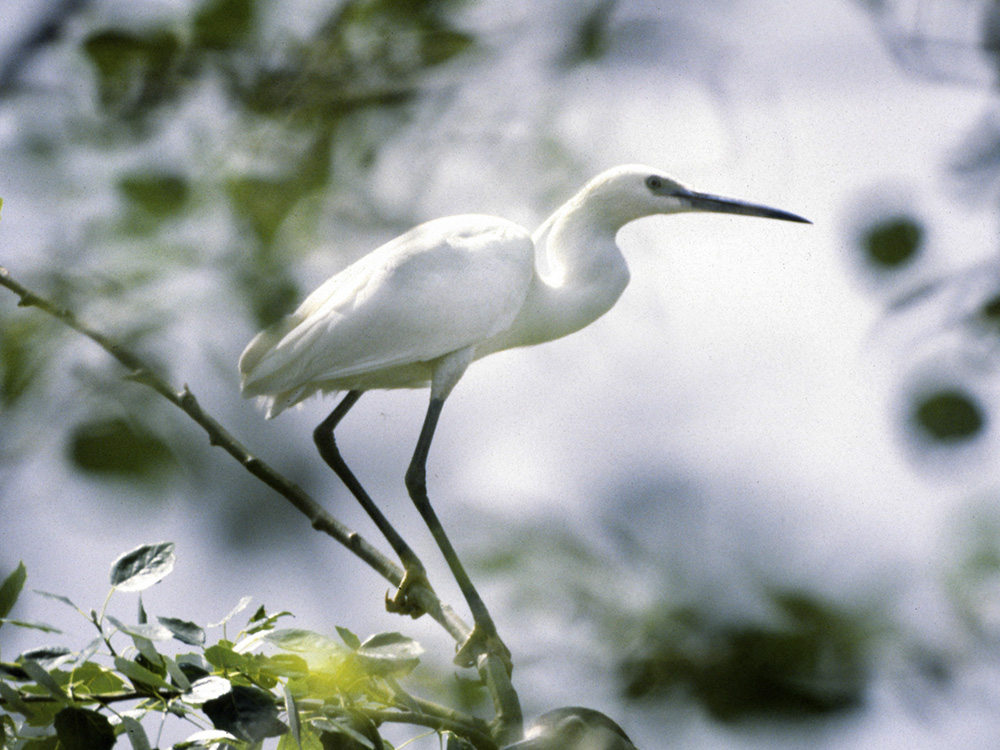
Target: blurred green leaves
(811,660)
(117,448)
(892,242)
(135,73)
(949,415)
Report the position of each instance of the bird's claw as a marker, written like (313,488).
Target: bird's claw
(481,643)
(401,602)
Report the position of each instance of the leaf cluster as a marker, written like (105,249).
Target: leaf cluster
(307,689)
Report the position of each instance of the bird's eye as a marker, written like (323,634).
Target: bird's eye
(654,183)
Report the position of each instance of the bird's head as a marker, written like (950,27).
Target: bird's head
(632,191)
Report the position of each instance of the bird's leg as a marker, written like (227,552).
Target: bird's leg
(413,569)
(484,632)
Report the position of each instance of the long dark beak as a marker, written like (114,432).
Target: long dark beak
(716,204)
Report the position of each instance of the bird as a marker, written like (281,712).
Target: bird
(573,728)
(417,311)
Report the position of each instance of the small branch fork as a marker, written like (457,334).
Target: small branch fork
(494,673)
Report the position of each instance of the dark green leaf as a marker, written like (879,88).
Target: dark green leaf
(83,729)
(893,242)
(246,712)
(134,72)
(48,657)
(24,353)
(949,415)
(184,631)
(116,448)
(220,24)
(11,587)
(143,566)
(158,194)
(349,731)
(141,677)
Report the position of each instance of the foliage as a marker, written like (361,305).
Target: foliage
(263,682)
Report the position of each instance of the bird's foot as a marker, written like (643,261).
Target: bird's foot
(402,601)
(482,643)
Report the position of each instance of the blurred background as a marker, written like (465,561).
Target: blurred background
(753,506)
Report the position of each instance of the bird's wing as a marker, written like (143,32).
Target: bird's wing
(440,287)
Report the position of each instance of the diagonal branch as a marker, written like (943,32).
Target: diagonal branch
(492,670)
(219,436)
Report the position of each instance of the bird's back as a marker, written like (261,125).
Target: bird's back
(382,321)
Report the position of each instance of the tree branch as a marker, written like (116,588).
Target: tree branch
(492,671)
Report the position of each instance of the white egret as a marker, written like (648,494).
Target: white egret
(420,309)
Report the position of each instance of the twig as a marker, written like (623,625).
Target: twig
(493,672)
(218,436)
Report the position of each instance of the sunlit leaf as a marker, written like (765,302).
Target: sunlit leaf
(206,689)
(142,567)
(352,641)
(150,632)
(83,729)
(387,654)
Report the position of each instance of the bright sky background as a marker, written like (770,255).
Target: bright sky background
(745,353)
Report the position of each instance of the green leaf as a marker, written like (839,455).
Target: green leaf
(134,72)
(893,242)
(140,677)
(11,587)
(149,632)
(284,665)
(157,194)
(43,626)
(352,641)
(221,24)
(206,689)
(83,729)
(113,447)
(14,701)
(48,657)
(389,654)
(241,605)
(59,598)
(184,631)
(142,567)
(247,712)
(136,734)
(304,641)
(949,415)
(42,678)
(91,678)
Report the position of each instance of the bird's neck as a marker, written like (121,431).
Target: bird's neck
(579,275)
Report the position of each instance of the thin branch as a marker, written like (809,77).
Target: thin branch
(491,669)
(219,436)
